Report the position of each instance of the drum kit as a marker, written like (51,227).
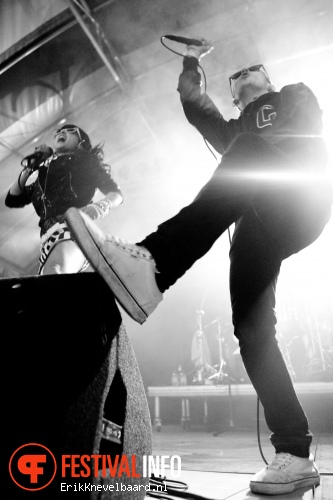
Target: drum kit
(220,373)
(225,371)
(306,342)
(308,352)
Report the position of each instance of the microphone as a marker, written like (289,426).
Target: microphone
(34,160)
(181,39)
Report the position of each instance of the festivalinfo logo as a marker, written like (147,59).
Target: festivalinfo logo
(33,467)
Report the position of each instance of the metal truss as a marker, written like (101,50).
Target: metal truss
(104,49)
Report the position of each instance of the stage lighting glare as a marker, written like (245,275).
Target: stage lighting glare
(298,177)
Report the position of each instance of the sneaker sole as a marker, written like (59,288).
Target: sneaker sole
(282,488)
(98,261)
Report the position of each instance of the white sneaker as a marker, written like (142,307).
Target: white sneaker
(128,269)
(285,474)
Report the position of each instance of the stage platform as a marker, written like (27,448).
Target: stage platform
(238,399)
(220,467)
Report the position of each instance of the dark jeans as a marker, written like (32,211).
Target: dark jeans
(274,219)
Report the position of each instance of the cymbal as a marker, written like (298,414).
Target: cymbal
(212,322)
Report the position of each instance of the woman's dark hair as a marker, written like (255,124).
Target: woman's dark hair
(98,152)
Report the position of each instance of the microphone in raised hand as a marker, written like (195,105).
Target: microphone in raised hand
(34,160)
(185,41)
(195,47)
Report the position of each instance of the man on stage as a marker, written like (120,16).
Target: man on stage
(272,184)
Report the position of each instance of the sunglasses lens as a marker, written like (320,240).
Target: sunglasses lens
(236,75)
(257,67)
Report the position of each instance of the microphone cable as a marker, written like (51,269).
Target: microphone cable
(258,432)
(204,77)
(205,90)
(163,488)
(182,55)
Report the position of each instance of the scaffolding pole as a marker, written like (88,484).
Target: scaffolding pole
(116,68)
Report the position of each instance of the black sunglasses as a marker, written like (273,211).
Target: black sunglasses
(255,67)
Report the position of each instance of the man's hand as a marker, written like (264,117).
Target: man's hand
(199,51)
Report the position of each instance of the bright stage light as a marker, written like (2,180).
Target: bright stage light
(291,176)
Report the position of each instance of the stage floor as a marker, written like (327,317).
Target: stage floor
(219,467)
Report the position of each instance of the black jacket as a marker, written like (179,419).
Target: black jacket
(66,181)
(290,119)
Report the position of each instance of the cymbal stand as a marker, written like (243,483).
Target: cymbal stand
(320,346)
(200,370)
(223,374)
(231,413)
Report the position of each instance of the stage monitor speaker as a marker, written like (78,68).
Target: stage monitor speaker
(67,368)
